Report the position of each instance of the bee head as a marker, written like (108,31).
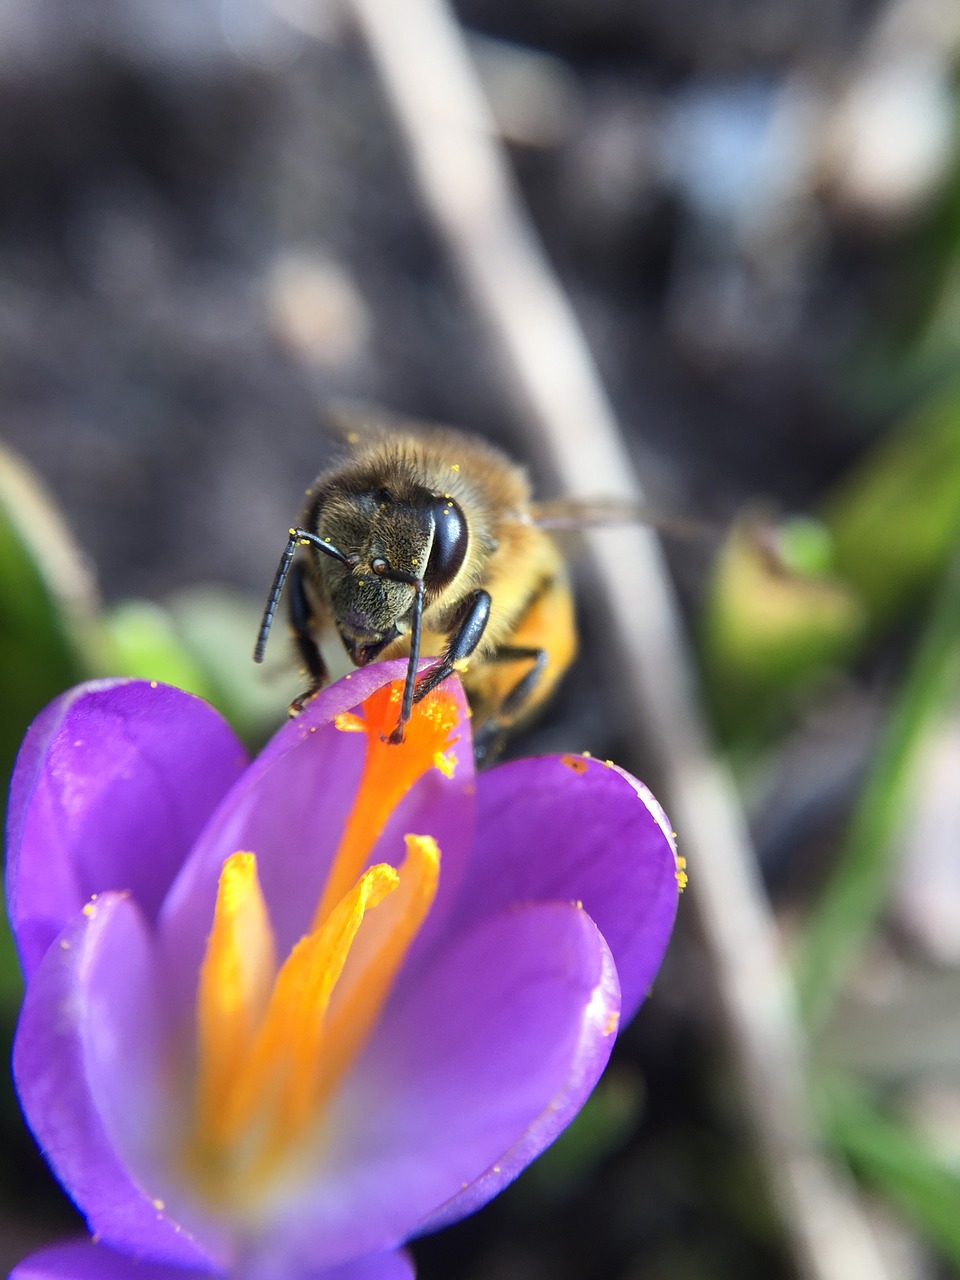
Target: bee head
(389,542)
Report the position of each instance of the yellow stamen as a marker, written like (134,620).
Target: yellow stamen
(282,1066)
(375,959)
(273,1045)
(235,981)
(389,771)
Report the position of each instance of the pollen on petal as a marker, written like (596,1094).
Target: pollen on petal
(349,722)
(576,763)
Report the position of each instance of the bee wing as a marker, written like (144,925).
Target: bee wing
(594,513)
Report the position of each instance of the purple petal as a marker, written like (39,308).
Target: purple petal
(113,784)
(88,1261)
(568,829)
(471,1072)
(87,1061)
(376,1266)
(290,808)
(85,1260)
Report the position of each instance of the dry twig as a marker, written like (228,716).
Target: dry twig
(465,183)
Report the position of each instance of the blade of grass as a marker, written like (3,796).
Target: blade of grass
(897,1163)
(854,897)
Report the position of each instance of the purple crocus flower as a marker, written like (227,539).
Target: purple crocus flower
(264,1035)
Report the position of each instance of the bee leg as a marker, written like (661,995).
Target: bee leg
(488,741)
(488,738)
(302,624)
(521,692)
(469,622)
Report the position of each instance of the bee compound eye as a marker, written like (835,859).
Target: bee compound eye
(450,537)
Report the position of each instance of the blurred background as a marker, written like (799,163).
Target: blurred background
(209,237)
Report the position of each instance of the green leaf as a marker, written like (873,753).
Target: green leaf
(47,603)
(218,629)
(146,644)
(895,519)
(774,622)
(201,640)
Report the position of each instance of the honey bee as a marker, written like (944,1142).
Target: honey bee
(426,543)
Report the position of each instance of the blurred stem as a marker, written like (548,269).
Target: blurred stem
(855,896)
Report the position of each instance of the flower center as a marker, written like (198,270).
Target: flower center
(274,1041)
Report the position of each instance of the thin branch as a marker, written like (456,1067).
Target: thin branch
(467,188)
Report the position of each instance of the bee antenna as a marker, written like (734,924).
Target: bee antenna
(297,538)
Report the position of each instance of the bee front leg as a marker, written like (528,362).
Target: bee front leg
(303,625)
(468,625)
